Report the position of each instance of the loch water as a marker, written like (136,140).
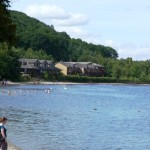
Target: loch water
(77,117)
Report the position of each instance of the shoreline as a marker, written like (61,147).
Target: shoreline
(45,83)
(66,83)
(11,146)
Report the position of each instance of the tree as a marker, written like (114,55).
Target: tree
(7,28)
(147,67)
(9,64)
(116,71)
(31,33)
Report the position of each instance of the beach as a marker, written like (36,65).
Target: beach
(39,83)
(13,147)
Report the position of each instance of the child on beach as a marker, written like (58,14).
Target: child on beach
(3,135)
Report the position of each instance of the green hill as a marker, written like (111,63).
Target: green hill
(31,33)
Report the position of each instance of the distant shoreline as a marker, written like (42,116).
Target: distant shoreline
(67,83)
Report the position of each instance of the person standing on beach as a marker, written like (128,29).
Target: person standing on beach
(3,135)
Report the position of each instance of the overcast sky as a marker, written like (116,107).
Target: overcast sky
(122,24)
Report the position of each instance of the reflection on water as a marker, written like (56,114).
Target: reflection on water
(77,117)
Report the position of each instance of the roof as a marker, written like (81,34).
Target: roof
(29,63)
(49,61)
(34,60)
(42,61)
(28,66)
(28,60)
(67,64)
(81,64)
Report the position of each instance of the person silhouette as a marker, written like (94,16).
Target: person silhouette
(3,135)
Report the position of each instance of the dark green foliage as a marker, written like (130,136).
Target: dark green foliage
(127,69)
(9,64)
(82,51)
(37,40)
(34,39)
(29,53)
(34,34)
(85,79)
(7,28)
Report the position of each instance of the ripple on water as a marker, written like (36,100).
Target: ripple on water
(79,117)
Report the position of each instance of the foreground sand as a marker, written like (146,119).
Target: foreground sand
(13,147)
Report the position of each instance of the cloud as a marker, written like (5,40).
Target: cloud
(124,50)
(74,32)
(47,11)
(84,35)
(71,23)
(73,20)
(56,15)
(137,52)
(14,1)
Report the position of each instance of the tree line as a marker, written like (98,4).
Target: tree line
(31,33)
(23,36)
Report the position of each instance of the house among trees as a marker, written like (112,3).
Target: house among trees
(81,68)
(36,68)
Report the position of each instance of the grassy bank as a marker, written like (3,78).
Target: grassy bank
(85,79)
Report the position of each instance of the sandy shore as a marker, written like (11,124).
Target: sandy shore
(13,147)
(64,83)
(50,83)
(36,83)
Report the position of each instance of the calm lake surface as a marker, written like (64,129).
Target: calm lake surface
(77,117)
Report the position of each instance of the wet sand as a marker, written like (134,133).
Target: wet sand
(13,147)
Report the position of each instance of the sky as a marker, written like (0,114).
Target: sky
(122,24)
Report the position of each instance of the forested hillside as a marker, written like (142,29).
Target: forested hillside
(31,33)
(9,64)
(23,36)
